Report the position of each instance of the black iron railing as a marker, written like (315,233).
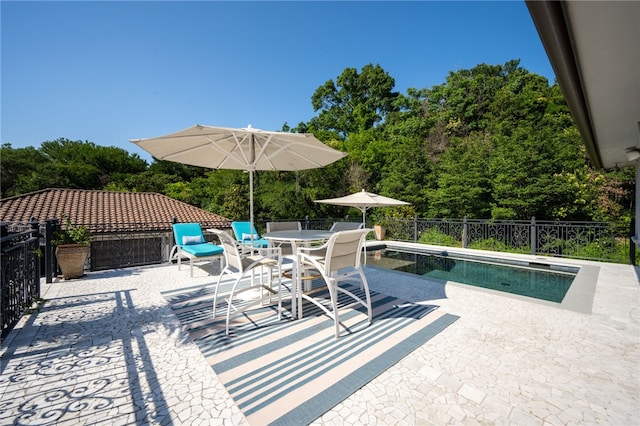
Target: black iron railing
(597,241)
(20,270)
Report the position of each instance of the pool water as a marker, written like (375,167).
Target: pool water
(531,279)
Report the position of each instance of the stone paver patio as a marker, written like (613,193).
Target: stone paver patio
(106,349)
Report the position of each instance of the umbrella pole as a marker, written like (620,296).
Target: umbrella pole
(252,154)
(364,225)
(251,205)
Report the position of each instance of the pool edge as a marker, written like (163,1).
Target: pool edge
(579,298)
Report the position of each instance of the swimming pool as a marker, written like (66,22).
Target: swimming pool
(529,278)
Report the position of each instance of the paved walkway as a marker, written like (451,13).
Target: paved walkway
(106,349)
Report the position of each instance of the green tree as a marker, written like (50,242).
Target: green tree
(464,103)
(24,170)
(408,172)
(464,181)
(355,101)
(147,181)
(491,141)
(89,166)
(179,170)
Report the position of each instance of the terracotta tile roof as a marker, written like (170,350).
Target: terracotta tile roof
(106,210)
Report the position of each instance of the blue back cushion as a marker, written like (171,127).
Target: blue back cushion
(181,230)
(240,228)
(242,231)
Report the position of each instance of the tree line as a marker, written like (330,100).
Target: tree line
(494,141)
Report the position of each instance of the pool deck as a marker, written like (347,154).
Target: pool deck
(106,349)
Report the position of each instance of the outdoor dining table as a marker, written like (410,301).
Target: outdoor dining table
(297,238)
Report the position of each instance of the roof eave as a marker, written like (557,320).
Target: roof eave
(554,30)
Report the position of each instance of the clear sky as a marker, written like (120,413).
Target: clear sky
(108,72)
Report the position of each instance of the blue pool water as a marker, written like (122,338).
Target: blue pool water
(529,279)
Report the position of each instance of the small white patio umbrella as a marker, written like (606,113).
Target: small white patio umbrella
(241,149)
(363,200)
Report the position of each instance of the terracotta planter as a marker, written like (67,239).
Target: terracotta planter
(71,259)
(379,230)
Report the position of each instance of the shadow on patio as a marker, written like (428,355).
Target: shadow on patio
(87,359)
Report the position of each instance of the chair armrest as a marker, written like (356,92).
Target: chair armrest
(245,248)
(312,255)
(265,256)
(309,250)
(307,258)
(269,251)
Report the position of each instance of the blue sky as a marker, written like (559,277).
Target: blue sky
(108,72)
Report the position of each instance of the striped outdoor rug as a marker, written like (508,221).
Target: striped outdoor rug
(290,372)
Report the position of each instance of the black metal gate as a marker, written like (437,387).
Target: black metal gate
(133,250)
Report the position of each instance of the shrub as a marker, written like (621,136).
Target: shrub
(435,236)
(71,234)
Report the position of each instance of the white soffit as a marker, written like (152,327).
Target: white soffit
(606,38)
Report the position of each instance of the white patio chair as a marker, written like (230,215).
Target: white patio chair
(337,261)
(283,226)
(346,226)
(243,266)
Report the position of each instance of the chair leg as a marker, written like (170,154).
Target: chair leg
(280,286)
(365,286)
(334,291)
(229,305)
(215,294)
(333,294)
(221,263)
(262,296)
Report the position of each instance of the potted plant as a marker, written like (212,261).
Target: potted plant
(379,227)
(73,245)
(380,231)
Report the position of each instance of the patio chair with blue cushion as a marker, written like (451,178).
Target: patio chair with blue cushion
(190,243)
(243,231)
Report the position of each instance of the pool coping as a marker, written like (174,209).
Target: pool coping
(579,298)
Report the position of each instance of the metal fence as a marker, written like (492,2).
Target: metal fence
(597,241)
(20,272)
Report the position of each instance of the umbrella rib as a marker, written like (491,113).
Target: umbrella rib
(286,148)
(262,150)
(180,152)
(234,151)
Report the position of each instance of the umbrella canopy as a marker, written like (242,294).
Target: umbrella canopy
(241,149)
(363,200)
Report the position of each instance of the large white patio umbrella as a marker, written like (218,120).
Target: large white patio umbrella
(363,200)
(241,149)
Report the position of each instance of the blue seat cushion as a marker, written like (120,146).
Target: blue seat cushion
(200,250)
(261,243)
